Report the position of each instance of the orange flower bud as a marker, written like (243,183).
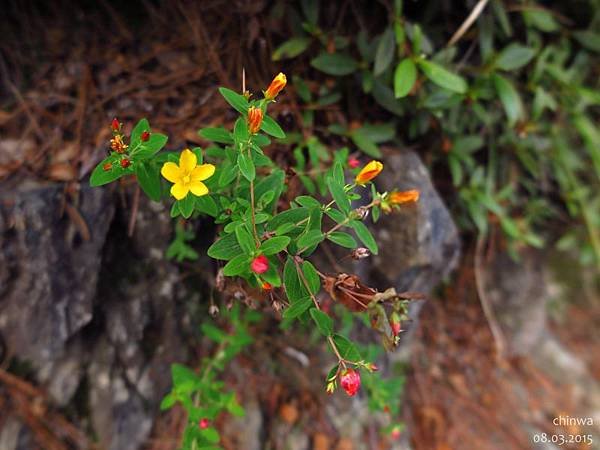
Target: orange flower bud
(276,86)
(267,286)
(368,172)
(255,117)
(397,198)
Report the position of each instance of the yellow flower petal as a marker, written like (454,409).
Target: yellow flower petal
(369,172)
(198,188)
(171,172)
(203,172)
(187,161)
(180,190)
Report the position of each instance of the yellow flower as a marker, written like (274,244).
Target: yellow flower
(276,86)
(397,198)
(255,117)
(187,176)
(368,172)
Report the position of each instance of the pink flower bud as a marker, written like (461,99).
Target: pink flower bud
(350,381)
(353,163)
(204,423)
(260,264)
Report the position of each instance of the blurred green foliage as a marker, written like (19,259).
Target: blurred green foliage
(509,113)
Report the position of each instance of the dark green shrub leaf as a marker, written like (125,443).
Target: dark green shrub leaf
(271,127)
(442,77)
(336,64)
(225,248)
(323,321)
(404,77)
(343,239)
(274,245)
(237,101)
(217,134)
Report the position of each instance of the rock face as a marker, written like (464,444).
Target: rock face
(419,245)
(99,314)
(90,312)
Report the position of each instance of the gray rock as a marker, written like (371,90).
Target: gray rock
(48,272)
(419,245)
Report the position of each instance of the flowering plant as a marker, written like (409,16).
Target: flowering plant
(265,239)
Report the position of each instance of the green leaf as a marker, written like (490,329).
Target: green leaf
(312,277)
(308,201)
(297,308)
(291,48)
(206,204)
(339,195)
(294,288)
(343,239)
(245,239)
(137,131)
(514,56)
(246,166)
(186,205)
(149,148)
(237,265)
(589,39)
(541,19)
(225,248)
(211,435)
(240,130)
(442,77)
(365,236)
(510,99)
(336,64)
(293,216)
(236,100)
(385,51)
(274,245)
(404,77)
(335,215)
(217,134)
(323,321)
(181,374)
(148,178)
(167,402)
(271,127)
(346,348)
(362,141)
(310,238)
(100,176)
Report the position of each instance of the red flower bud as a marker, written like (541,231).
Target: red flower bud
(115,125)
(107,166)
(267,286)
(145,136)
(203,423)
(395,328)
(260,264)
(125,163)
(350,381)
(353,163)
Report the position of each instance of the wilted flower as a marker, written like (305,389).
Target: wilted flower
(213,310)
(117,144)
(370,171)
(260,264)
(255,117)
(187,176)
(350,381)
(276,86)
(330,387)
(360,253)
